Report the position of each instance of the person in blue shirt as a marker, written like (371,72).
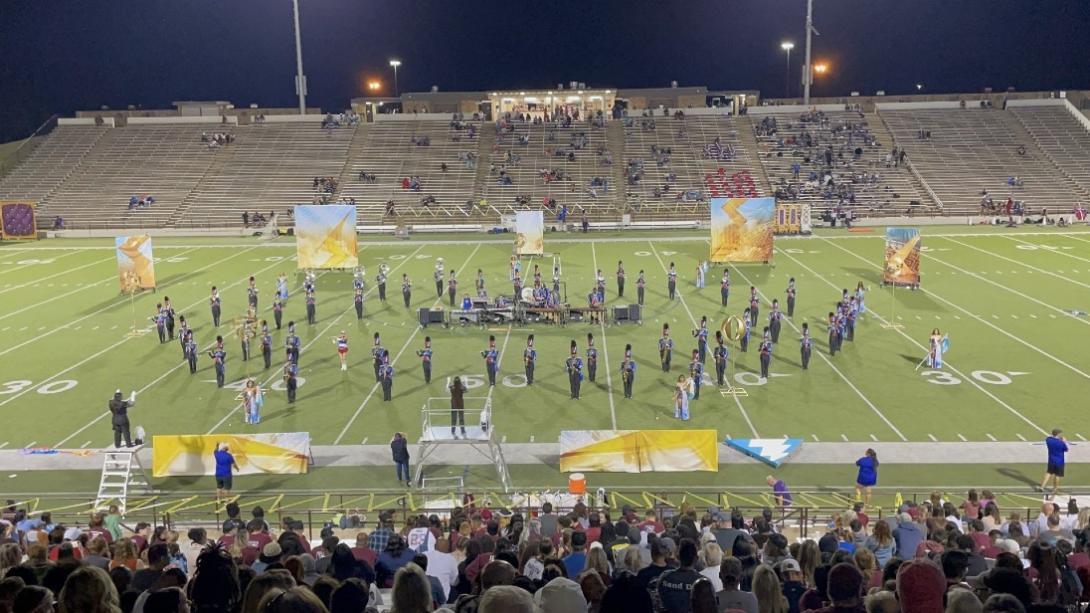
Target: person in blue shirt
(577,559)
(1057,447)
(225,467)
(868,475)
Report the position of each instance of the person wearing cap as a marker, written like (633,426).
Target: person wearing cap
(270,554)
(119,412)
(1057,447)
(920,587)
(561,595)
(794,585)
(225,467)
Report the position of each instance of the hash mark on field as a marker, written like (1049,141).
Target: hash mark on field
(963,439)
(85,445)
(844,437)
(40,328)
(113,327)
(1032,316)
(958,317)
(95,328)
(994,316)
(1080,437)
(1052,315)
(932,437)
(872,437)
(6,328)
(531,438)
(920,318)
(364,441)
(23,328)
(1013,316)
(990,437)
(504,440)
(30,444)
(816,439)
(4,444)
(1020,437)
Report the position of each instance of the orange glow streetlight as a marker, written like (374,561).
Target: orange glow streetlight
(821,68)
(374,85)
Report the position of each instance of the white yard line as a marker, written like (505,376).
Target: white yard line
(63,272)
(77,290)
(1038,245)
(1020,263)
(168,371)
(681,297)
(922,348)
(412,336)
(15,268)
(605,350)
(829,362)
(121,302)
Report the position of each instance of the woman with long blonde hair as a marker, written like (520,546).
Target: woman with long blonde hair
(767,590)
(809,560)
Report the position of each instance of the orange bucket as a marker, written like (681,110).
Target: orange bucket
(577,484)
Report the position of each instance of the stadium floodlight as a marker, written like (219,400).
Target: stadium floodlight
(374,85)
(300,78)
(919,87)
(787,46)
(395,63)
(821,68)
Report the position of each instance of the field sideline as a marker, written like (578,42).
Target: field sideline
(1017,368)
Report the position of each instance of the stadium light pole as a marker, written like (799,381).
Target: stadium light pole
(787,46)
(300,78)
(395,64)
(807,71)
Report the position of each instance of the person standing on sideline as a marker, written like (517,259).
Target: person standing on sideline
(214,304)
(387,373)
(1057,447)
(641,282)
(341,342)
(119,417)
(724,287)
(671,281)
(720,355)
(452,287)
(225,467)
(592,358)
(791,297)
(425,359)
(666,348)
(399,448)
(628,371)
(805,345)
(620,279)
(779,491)
(766,354)
(868,475)
(529,359)
(457,406)
(490,360)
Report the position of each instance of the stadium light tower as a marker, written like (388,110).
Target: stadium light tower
(300,78)
(807,72)
(787,46)
(395,63)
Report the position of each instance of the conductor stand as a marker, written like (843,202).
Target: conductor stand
(479,435)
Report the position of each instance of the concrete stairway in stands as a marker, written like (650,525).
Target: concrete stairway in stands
(880,130)
(748,138)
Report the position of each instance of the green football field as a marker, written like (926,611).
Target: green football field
(1017,366)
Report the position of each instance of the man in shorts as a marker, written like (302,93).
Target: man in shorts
(225,467)
(1057,447)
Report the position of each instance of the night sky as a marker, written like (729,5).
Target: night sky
(63,55)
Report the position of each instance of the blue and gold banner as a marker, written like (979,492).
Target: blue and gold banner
(135,262)
(902,266)
(742,229)
(325,236)
(529,233)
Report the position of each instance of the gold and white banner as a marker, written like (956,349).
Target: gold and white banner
(272,453)
(636,451)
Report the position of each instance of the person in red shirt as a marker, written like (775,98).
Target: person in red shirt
(362,552)
(257,536)
(140,536)
(97,527)
(651,523)
(594,530)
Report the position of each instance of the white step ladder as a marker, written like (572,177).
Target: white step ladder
(122,474)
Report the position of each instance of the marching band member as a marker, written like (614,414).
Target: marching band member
(701,336)
(312,317)
(791,297)
(556,280)
(516,285)
(251,294)
(747,324)
(479,283)
(666,348)
(600,282)
(574,366)
(291,344)
(214,303)
(291,383)
(491,359)
(754,305)
(406,289)
(720,355)
(380,280)
(696,373)
(425,358)
(766,354)
(387,372)
(452,287)
(438,275)
(377,352)
(620,279)
(724,287)
(168,311)
(592,358)
(834,333)
(341,342)
(266,344)
(219,361)
(189,350)
(641,282)
(671,282)
(774,317)
(357,302)
(183,329)
(160,320)
(529,359)
(805,345)
(628,371)
(278,311)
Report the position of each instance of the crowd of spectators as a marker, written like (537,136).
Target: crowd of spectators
(217,139)
(340,120)
(938,555)
(141,202)
(327,185)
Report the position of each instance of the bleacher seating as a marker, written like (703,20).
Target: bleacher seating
(57,156)
(164,161)
(270,167)
(389,153)
(1062,138)
(863,179)
(550,161)
(973,150)
(683,162)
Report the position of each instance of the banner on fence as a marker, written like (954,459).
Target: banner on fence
(17,220)
(902,266)
(529,233)
(636,451)
(325,236)
(135,262)
(192,455)
(742,229)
